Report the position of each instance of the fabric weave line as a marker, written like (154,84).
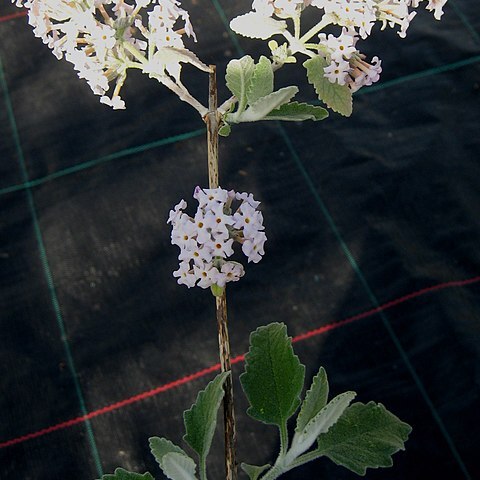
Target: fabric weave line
(47,272)
(204,372)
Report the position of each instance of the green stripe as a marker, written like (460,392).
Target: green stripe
(104,159)
(360,275)
(226,24)
(464,20)
(47,272)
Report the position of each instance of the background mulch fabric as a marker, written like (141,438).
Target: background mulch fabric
(359,212)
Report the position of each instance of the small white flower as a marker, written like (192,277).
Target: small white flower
(206,274)
(337,72)
(175,214)
(185,275)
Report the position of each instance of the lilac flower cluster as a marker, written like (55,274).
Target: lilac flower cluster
(206,240)
(345,64)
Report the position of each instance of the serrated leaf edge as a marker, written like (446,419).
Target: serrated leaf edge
(321,374)
(216,383)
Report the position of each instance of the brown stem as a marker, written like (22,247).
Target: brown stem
(212,119)
(228,412)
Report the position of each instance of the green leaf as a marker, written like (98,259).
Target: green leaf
(201,420)
(256,25)
(177,466)
(225,130)
(238,76)
(261,83)
(335,96)
(273,378)
(161,447)
(315,399)
(253,471)
(297,112)
(263,106)
(321,423)
(365,436)
(121,474)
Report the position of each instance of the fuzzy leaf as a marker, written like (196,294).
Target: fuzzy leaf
(321,423)
(335,96)
(238,77)
(178,466)
(253,471)
(273,378)
(297,112)
(201,420)
(261,83)
(161,447)
(263,106)
(365,436)
(121,474)
(315,399)
(255,25)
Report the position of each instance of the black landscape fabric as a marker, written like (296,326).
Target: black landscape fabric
(374,218)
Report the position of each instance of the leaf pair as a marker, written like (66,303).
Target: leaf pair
(356,436)
(252,85)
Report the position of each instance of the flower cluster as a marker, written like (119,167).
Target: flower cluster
(346,65)
(206,240)
(104,38)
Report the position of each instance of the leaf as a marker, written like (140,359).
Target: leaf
(297,112)
(161,447)
(256,25)
(121,474)
(177,466)
(263,106)
(201,420)
(253,471)
(273,378)
(365,436)
(335,96)
(261,83)
(321,423)
(238,76)
(225,130)
(315,399)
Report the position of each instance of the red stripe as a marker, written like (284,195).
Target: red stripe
(5,18)
(237,359)
(385,306)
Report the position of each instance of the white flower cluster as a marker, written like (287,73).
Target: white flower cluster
(206,240)
(347,66)
(104,38)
